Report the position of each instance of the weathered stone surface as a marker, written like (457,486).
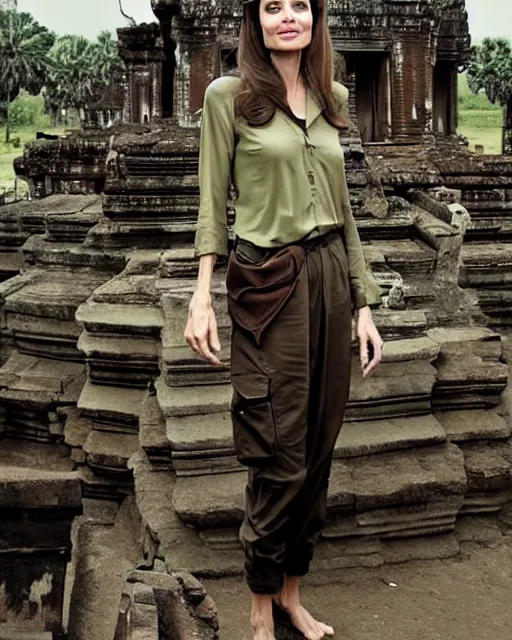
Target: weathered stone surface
(108,453)
(102,552)
(33,488)
(120,319)
(462,426)
(376,436)
(469,371)
(114,408)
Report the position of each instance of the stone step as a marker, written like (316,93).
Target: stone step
(33,216)
(202,445)
(32,390)
(70,255)
(8,633)
(146,234)
(489,471)
(73,224)
(115,409)
(497,305)
(38,488)
(470,374)
(401,385)
(166,536)
(11,263)
(108,453)
(408,257)
(153,433)
(486,265)
(76,430)
(179,207)
(467,426)
(104,487)
(41,312)
(399,226)
(401,482)
(120,319)
(127,288)
(120,360)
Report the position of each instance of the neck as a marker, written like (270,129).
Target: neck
(288,65)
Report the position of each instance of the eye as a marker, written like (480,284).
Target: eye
(303,6)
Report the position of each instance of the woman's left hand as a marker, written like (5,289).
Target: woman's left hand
(368,334)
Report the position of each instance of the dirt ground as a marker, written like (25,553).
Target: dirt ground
(464,598)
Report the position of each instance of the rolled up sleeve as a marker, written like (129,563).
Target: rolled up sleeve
(215,161)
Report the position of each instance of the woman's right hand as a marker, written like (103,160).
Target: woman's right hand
(201,332)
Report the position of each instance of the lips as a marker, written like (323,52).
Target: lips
(287,32)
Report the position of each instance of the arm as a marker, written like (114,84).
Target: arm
(364,289)
(215,159)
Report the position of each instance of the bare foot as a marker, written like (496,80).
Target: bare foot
(302,620)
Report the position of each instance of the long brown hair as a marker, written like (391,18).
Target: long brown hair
(262,89)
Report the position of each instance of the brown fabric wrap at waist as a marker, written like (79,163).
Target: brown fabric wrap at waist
(259,286)
(257,292)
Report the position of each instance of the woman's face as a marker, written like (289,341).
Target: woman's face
(287,24)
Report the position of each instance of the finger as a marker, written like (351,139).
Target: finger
(363,350)
(375,361)
(204,351)
(214,333)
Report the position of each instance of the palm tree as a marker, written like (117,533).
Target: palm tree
(490,69)
(80,70)
(24,46)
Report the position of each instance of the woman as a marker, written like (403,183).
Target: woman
(296,273)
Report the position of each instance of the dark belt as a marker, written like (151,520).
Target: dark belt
(254,254)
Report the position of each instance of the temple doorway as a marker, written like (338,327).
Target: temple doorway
(373,94)
(444,114)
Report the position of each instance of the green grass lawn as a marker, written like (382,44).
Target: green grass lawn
(480,121)
(9,152)
(482,127)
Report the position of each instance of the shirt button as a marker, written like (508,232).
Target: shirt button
(311,177)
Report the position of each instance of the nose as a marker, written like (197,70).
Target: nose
(288,12)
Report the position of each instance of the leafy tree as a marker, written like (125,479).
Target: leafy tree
(490,70)
(24,46)
(80,71)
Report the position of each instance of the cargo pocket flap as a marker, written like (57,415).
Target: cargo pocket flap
(250,386)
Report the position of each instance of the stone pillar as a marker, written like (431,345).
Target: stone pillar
(409,86)
(156,88)
(430,62)
(127,90)
(197,64)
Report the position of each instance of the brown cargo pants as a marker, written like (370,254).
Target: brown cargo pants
(289,397)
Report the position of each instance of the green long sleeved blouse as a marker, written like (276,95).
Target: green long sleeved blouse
(290,184)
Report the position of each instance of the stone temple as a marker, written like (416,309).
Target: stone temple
(119,488)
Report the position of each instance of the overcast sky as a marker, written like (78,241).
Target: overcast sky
(486,17)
